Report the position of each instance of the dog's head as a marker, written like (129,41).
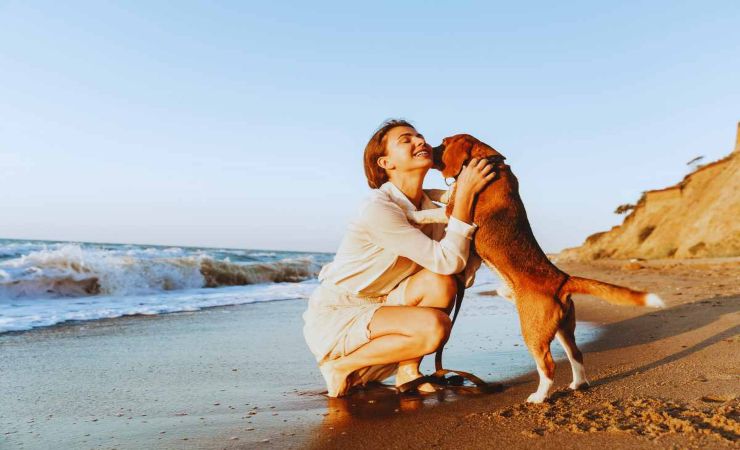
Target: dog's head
(455,151)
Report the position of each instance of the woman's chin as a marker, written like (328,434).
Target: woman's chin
(423,162)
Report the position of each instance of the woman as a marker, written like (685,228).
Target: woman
(382,303)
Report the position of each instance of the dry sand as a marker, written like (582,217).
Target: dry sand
(660,379)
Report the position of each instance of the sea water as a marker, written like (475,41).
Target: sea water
(44,283)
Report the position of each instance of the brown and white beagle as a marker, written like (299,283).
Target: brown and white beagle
(504,241)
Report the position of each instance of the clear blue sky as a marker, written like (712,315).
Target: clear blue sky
(242,124)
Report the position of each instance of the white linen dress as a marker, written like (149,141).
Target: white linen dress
(371,268)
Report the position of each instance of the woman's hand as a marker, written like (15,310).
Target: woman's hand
(472,179)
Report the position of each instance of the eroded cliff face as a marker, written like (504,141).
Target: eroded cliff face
(698,217)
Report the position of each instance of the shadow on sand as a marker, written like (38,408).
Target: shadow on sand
(663,324)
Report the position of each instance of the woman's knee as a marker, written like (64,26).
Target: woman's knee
(437,290)
(448,285)
(433,330)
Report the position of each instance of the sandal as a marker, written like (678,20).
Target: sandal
(411,386)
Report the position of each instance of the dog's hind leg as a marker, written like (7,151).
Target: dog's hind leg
(567,338)
(546,369)
(538,330)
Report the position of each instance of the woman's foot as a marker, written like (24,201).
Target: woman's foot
(335,378)
(404,375)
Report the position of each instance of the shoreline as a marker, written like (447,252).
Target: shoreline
(68,325)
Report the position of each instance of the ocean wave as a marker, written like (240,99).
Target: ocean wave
(223,273)
(71,270)
(15,249)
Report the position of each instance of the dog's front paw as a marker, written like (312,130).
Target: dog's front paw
(536,397)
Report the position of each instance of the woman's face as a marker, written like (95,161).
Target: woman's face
(406,150)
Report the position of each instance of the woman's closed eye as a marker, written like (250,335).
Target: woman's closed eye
(406,138)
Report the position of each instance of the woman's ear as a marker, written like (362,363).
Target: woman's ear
(453,158)
(384,163)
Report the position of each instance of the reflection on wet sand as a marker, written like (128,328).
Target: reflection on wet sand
(379,400)
(486,342)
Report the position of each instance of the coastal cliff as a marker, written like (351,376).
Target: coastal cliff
(697,217)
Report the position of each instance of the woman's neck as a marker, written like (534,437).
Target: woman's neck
(411,186)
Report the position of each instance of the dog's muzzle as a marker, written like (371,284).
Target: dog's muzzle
(437,156)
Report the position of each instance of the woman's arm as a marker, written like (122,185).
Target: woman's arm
(387,226)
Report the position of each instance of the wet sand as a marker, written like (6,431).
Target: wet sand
(168,381)
(240,377)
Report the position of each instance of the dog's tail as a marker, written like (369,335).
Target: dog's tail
(612,293)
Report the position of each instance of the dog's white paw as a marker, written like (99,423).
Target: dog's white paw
(536,397)
(654,301)
(577,386)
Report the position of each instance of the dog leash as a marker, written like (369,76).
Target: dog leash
(440,371)
(438,377)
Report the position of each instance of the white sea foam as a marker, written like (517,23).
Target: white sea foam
(261,254)
(25,314)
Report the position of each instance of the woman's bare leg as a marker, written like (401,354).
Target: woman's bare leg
(426,289)
(396,333)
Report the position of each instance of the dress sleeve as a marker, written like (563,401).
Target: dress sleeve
(388,227)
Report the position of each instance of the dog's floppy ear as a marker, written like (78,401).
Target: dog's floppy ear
(483,150)
(454,156)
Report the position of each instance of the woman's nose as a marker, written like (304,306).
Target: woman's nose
(419,141)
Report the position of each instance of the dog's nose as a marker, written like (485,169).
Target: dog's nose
(437,155)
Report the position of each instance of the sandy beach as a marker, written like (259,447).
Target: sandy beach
(241,376)
(661,379)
